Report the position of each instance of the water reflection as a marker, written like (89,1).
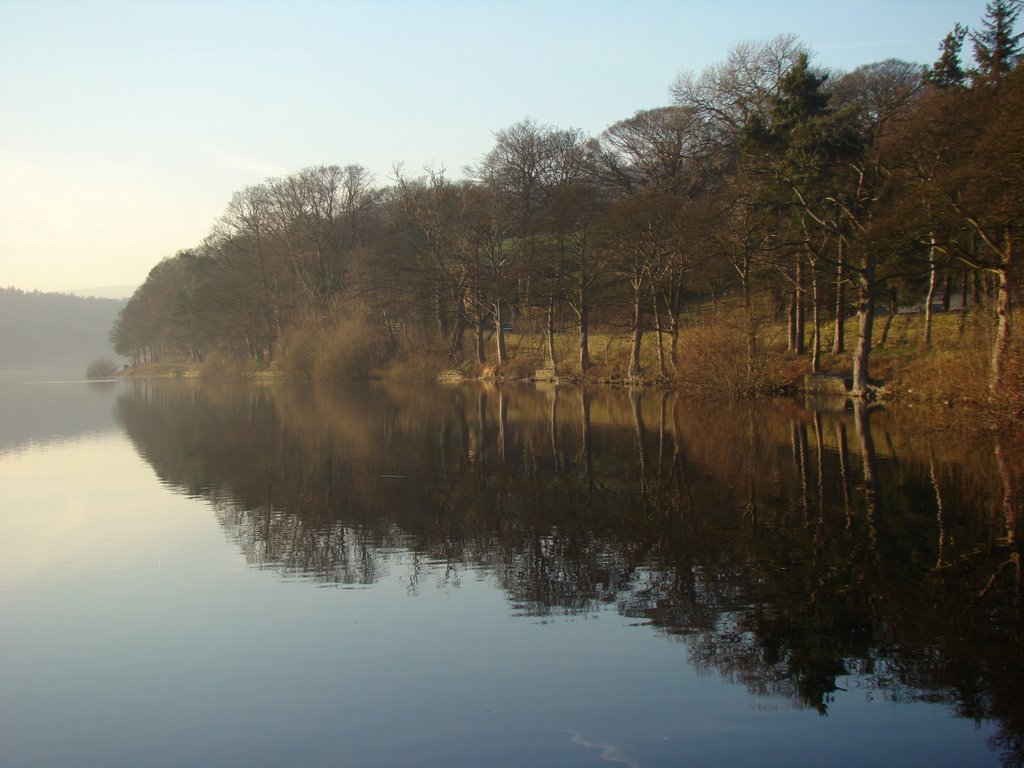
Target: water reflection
(39,413)
(795,551)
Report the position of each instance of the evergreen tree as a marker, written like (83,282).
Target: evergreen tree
(996,49)
(947,71)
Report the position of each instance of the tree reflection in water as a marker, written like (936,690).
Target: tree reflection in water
(788,549)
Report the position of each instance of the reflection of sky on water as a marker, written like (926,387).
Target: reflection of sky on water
(132,631)
(85,504)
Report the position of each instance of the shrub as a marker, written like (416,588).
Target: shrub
(101,368)
(297,350)
(714,362)
(219,364)
(349,350)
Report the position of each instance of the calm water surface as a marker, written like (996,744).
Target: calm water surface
(201,575)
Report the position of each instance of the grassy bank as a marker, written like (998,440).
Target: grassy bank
(712,359)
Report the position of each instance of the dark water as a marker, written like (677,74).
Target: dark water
(265,576)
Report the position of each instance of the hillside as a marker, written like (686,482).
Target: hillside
(105,291)
(52,335)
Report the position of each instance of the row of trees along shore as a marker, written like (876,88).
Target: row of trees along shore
(769,191)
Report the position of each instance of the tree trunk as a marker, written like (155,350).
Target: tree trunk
(584,335)
(748,313)
(658,330)
(815,320)
(866,320)
(457,342)
(481,353)
(440,316)
(1001,344)
(799,343)
(499,331)
(933,279)
(635,370)
(791,344)
(839,339)
(673,335)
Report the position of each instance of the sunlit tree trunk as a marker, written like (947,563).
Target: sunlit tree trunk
(751,331)
(478,325)
(866,320)
(933,279)
(815,320)
(499,331)
(635,370)
(584,320)
(1001,346)
(659,331)
(550,331)
(673,336)
(839,338)
(798,344)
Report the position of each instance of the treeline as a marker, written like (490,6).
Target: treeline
(769,189)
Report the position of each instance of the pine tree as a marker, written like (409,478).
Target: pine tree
(996,49)
(947,71)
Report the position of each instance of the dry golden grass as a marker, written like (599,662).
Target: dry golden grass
(713,359)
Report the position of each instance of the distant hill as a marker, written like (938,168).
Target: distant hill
(105,291)
(53,335)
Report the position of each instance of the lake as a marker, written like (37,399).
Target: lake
(384,575)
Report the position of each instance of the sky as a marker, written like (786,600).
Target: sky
(125,127)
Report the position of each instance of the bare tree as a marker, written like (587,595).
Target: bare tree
(319,213)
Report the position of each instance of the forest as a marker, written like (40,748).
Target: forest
(745,234)
(53,334)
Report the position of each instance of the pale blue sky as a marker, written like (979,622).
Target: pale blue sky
(126,126)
